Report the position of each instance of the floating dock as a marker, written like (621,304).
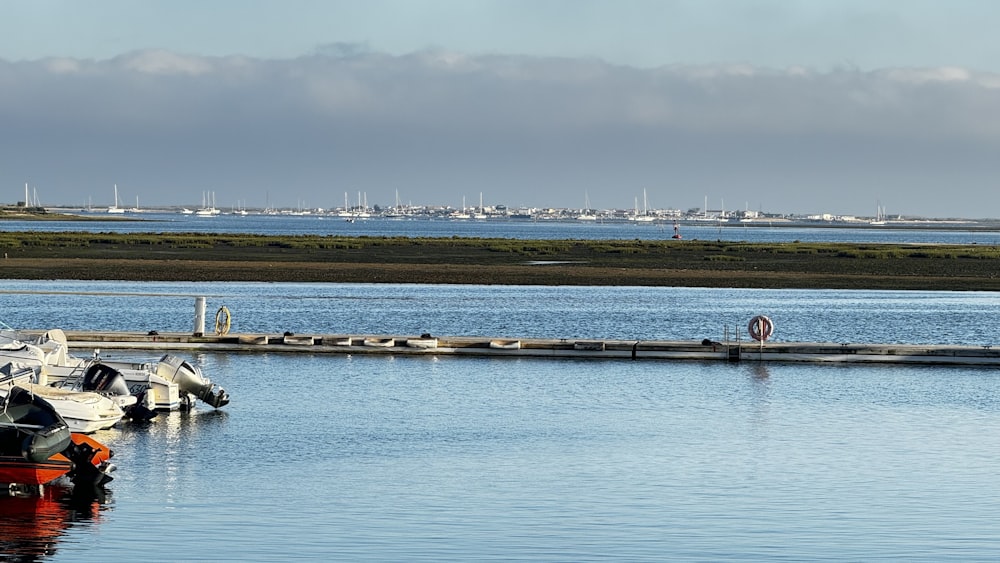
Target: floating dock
(729,351)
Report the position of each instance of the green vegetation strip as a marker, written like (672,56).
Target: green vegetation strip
(236,257)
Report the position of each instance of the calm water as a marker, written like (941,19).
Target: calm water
(518,229)
(429,459)
(642,313)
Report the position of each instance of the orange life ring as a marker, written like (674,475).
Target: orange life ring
(761,328)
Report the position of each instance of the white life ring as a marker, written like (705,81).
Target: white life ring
(761,328)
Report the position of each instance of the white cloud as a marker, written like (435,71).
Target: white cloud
(165,62)
(61,65)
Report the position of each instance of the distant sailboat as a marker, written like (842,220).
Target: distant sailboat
(114,207)
(346,213)
(464,214)
(207,205)
(481,212)
(644,216)
(879,214)
(587,213)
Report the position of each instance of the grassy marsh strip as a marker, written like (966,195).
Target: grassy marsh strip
(695,263)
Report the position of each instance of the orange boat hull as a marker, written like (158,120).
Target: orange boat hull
(15,469)
(18,470)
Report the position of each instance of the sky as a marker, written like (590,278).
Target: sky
(803,107)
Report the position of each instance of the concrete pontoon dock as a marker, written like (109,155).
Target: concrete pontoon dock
(732,351)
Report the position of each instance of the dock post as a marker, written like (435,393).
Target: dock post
(199,316)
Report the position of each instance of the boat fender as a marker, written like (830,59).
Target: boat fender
(761,328)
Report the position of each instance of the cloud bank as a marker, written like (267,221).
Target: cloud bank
(438,126)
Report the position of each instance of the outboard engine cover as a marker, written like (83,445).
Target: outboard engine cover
(105,379)
(190,380)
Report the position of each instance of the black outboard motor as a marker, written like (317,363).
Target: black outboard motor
(85,473)
(106,380)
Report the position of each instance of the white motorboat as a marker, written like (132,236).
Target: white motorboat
(84,412)
(169,384)
(48,355)
(154,391)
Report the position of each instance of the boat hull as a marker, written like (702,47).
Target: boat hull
(84,412)
(17,470)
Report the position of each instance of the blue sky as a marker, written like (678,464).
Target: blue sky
(816,33)
(789,106)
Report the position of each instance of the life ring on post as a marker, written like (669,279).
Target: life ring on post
(761,328)
(222,321)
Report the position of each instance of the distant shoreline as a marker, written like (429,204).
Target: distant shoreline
(9,215)
(68,214)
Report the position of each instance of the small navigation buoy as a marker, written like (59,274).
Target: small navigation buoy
(761,328)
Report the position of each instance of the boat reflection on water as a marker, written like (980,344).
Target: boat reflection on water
(33,519)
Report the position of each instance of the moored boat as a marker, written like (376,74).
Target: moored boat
(37,446)
(83,411)
(169,384)
(505,344)
(153,391)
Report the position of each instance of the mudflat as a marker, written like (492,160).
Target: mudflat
(678,263)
